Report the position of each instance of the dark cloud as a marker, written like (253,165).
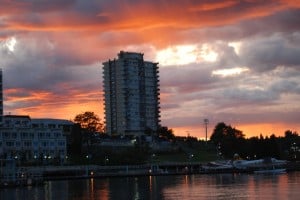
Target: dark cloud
(39,65)
(249,96)
(186,78)
(284,22)
(268,53)
(8,6)
(286,86)
(261,117)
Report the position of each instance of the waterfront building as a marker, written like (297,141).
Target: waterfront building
(23,138)
(131,95)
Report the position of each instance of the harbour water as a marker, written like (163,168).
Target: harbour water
(198,186)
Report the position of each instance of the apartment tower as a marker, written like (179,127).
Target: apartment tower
(131,87)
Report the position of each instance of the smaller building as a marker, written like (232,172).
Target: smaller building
(26,139)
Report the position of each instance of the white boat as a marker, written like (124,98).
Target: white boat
(270,171)
(259,163)
(218,165)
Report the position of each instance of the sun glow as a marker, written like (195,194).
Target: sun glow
(230,72)
(177,55)
(207,53)
(185,54)
(11,43)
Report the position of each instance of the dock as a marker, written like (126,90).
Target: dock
(34,175)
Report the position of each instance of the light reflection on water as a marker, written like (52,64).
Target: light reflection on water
(219,186)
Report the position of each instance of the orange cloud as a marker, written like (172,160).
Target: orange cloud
(68,37)
(130,24)
(143,16)
(291,3)
(62,111)
(47,105)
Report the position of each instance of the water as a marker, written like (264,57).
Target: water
(219,186)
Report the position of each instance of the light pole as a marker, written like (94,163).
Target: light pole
(106,160)
(206,121)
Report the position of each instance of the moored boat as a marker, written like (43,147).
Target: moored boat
(271,171)
(217,166)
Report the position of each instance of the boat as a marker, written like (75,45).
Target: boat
(218,166)
(259,164)
(271,171)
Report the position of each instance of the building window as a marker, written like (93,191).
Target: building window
(41,135)
(44,144)
(10,144)
(61,143)
(27,143)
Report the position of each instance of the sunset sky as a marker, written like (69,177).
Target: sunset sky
(233,61)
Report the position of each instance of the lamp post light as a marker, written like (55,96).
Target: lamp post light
(191,157)
(206,121)
(190,162)
(152,163)
(16,159)
(153,157)
(45,162)
(35,161)
(106,160)
(88,158)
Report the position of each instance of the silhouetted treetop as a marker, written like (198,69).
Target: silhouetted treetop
(223,131)
(89,121)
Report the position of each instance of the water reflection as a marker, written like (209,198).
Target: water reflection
(220,186)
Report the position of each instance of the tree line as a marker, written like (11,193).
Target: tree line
(225,140)
(229,141)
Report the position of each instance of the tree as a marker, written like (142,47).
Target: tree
(165,133)
(228,140)
(89,125)
(89,121)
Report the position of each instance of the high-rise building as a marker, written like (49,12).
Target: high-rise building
(131,87)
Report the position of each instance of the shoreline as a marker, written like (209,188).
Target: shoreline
(95,171)
(36,175)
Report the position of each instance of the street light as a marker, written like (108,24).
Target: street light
(35,159)
(191,157)
(106,160)
(206,121)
